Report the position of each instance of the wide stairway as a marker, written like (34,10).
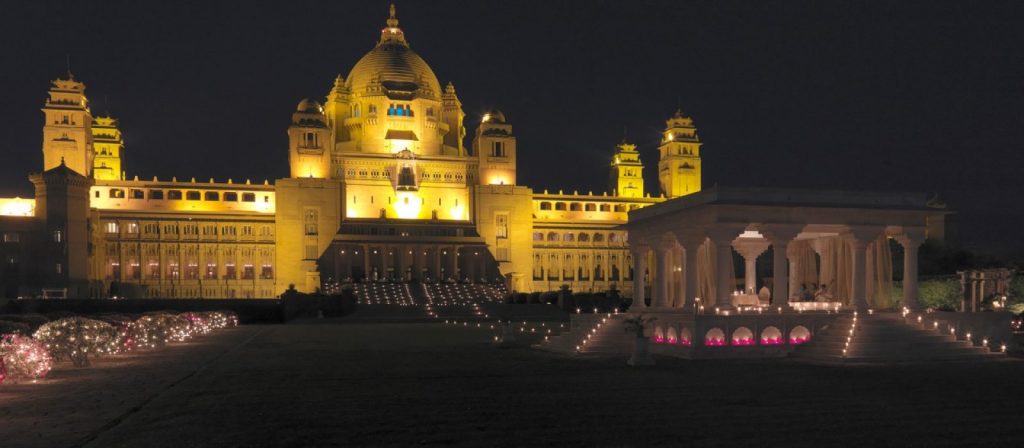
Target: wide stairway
(416,302)
(886,338)
(600,335)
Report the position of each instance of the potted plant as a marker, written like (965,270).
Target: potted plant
(641,356)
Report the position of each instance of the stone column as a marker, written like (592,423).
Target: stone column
(723,238)
(780,237)
(691,250)
(367,269)
(662,269)
(417,263)
(911,240)
(750,249)
(639,266)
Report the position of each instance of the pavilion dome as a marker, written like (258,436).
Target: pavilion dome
(393,65)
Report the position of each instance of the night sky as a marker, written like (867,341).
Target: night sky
(913,96)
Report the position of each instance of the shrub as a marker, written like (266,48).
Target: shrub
(77,338)
(23,358)
(940,294)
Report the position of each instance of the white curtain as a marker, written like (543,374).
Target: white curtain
(707,277)
(879,274)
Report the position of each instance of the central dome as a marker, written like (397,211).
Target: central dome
(394,66)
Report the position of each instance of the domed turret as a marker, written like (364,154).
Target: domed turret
(309,106)
(494,116)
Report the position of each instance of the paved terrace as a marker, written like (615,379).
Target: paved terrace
(328,384)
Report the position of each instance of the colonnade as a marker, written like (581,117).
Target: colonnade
(412,262)
(750,242)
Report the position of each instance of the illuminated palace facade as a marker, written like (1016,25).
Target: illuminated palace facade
(381,186)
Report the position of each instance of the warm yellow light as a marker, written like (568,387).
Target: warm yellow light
(487,117)
(407,205)
(457,212)
(17,207)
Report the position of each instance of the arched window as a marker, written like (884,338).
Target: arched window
(584,237)
(591,207)
(569,237)
(575,207)
(545,206)
(606,208)
(552,236)
(598,237)
(560,206)
(538,236)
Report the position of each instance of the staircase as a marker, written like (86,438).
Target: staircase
(610,338)
(884,338)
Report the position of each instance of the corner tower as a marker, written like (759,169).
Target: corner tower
(679,157)
(308,140)
(109,148)
(495,146)
(625,177)
(67,133)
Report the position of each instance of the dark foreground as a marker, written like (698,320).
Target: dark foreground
(324,384)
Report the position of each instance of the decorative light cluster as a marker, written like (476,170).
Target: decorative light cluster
(77,339)
(23,359)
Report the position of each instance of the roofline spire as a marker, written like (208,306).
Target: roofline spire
(392,17)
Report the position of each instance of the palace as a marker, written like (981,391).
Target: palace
(381,186)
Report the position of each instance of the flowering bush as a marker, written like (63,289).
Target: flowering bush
(124,339)
(77,338)
(23,358)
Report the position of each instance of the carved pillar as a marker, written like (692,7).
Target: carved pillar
(911,240)
(639,267)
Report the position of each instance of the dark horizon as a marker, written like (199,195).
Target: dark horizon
(881,96)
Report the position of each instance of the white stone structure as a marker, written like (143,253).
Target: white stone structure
(752,220)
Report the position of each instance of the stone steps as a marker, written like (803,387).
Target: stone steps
(610,338)
(887,338)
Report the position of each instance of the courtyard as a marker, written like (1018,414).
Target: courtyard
(328,383)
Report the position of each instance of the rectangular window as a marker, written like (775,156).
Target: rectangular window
(211,271)
(311,252)
(311,219)
(248,271)
(156,194)
(12,237)
(192,195)
(498,149)
(112,227)
(248,197)
(58,236)
(174,195)
(267,271)
(116,193)
(137,194)
(230,197)
(229,271)
(211,196)
(133,227)
(501,225)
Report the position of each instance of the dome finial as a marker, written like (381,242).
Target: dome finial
(392,18)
